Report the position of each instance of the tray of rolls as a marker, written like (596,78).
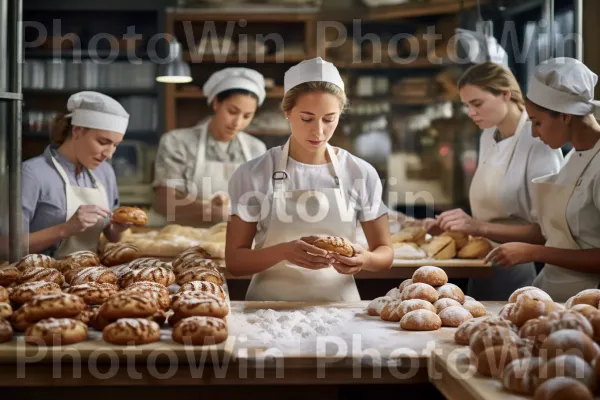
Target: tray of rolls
(414,247)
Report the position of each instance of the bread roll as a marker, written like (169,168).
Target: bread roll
(569,341)
(414,234)
(540,294)
(562,388)
(491,336)
(493,360)
(94,274)
(527,308)
(204,286)
(9,275)
(79,259)
(192,263)
(571,366)
(451,291)
(421,320)
(130,215)
(421,291)
(119,253)
(376,306)
(394,293)
(594,320)
(128,305)
(444,303)
(460,238)
(404,284)
(5,311)
(200,331)
(27,291)
(200,274)
(131,331)
(477,248)
(453,316)
(59,305)
(391,311)
(56,332)
(463,333)
(163,301)
(36,261)
(430,275)
(335,244)
(496,321)
(588,296)
(145,262)
(160,275)
(3,295)
(585,309)
(475,308)
(93,293)
(40,274)
(506,311)
(520,375)
(414,304)
(6,331)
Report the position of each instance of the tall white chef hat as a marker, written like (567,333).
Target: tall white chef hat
(564,85)
(235,78)
(314,70)
(97,111)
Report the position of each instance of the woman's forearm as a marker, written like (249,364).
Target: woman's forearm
(576,260)
(46,238)
(502,233)
(380,259)
(244,261)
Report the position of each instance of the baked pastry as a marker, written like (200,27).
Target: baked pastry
(199,274)
(430,275)
(493,360)
(540,294)
(25,292)
(191,263)
(451,291)
(147,285)
(376,305)
(527,308)
(476,249)
(562,388)
(569,341)
(96,321)
(56,332)
(93,293)
(391,311)
(440,248)
(145,262)
(571,366)
(152,274)
(421,320)
(9,275)
(497,321)
(453,316)
(6,331)
(335,244)
(196,252)
(191,304)
(585,309)
(520,375)
(3,295)
(460,238)
(404,284)
(394,293)
(128,305)
(415,234)
(79,259)
(204,286)
(421,291)
(538,329)
(40,274)
(130,215)
(475,308)
(85,315)
(58,305)
(588,296)
(506,311)
(200,331)
(18,321)
(119,253)
(132,331)
(5,311)
(36,261)
(444,303)
(164,302)
(94,274)
(594,320)
(463,333)
(491,336)
(414,304)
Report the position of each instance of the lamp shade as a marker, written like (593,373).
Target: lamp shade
(176,70)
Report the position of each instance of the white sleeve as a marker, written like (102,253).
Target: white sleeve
(542,161)
(370,196)
(596,190)
(247,199)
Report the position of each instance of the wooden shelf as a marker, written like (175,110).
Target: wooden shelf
(270,59)
(276,93)
(439,7)
(269,132)
(421,62)
(70,53)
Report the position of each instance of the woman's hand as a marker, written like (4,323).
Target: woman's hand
(511,254)
(84,218)
(302,253)
(351,265)
(459,221)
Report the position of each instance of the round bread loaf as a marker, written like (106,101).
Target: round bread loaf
(5,311)
(540,328)
(521,375)
(506,311)
(460,238)
(40,274)
(595,323)
(415,304)
(205,286)
(94,293)
(477,248)
(453,316)
(79,259)
(119,253)
(394,293)
(491,336)
(527,308)
(562,388)
(160,275)
(469,298)
(421,320)
(192,263)
(376,305)
(154,286)
(130,215)
(404,284)
(9,275)
(3,295)
(588,296)
(335,244)
(538,294)
(584,309)
(200,331)
(6,331)
(420,291)
(145,262)
(569,341)
(196,252)
(492,361)
(128,305)
(430,275)
(59,305)
(444,303)
(94,274)
(96,321)
(164,302)
(131,331)
(451,291)
(391,311)
(463,333)
(199,274)
(56,332)
(475,308)
(496,321)
(570,366)
(36,261)
(27,291)
(191,304)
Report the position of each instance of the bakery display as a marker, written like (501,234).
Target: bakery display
(334,244)
(130,215)
(131,331)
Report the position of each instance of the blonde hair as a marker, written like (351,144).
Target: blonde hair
(61,129)
(291,97)
(495,79)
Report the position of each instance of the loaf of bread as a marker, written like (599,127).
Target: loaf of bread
(40,274)
(506,311)
(128,305)
(527,308)
(562,388)
(199,274)
(404,284)
(475,308)
(451,291)
(163,301)
(584,309)
(460,238)
(192,263)
(25,292)
(569,341)
(119,253)
(491,336)
(444,303)
(421,291)
(415,304)
(36,261)
(130,215)
(463,333)
(493,360)
(200,331)
(588,296)
(477,248)
(421,320)
(440,248)
(190,304)
(375,306)
(56,332)
(9,275)
(131,331)
(394,293)
(537,294)
(3,295)
(453,316)
(335,244)
(415,234)
(79,259)
(430,275)
(6,331)
(94,293)
(521,375)
(571,366)
(94,274)
(5,311)
(391,311)
(160,275)
(59,305)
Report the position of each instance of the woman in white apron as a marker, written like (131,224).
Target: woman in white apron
(500,193)
(70,190)
(193,165)
(561,107)
(283,199)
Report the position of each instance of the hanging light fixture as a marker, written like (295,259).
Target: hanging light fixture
(176,70)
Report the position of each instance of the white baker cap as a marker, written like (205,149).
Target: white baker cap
(97,111)
(315,70)
(564,85)
(235,78)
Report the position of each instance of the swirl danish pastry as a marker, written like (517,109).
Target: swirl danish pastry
(130,215)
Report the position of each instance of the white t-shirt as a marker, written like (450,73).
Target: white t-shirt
(251,186)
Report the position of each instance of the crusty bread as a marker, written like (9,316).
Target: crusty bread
(421,291)
(119,253)
(421,320)
(376,305)
(430,275)
(453,316)
(335,244)
(130,331)
(200,331)
(562,388)
(521,375)
(56,332)
(130,215)
(477,248)
(461,239)
(451,291)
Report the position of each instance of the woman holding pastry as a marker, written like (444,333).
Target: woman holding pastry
(193,165)
(299,204)
(561,106)
(70,190)
(501,191)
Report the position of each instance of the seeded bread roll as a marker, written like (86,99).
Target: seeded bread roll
(200,331)
(51,332)
(40,274)
(335,244)
(27,291)
(119,253)
(9,275)
(131,331)
(130,215)
(36,261)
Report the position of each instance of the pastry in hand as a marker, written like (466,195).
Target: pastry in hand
(130,215)
(477,249)
(440,248)
(335,244)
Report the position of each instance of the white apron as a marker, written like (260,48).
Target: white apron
(78,196)
(486,205)
(286,281)
(551,201)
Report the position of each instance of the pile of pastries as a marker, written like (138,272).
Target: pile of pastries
(538,347)
(414,243)
(127,298)
(173,239)
(426,302)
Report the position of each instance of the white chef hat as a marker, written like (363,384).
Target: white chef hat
(97,111)
(235,78)
(564,85)
(315,70)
